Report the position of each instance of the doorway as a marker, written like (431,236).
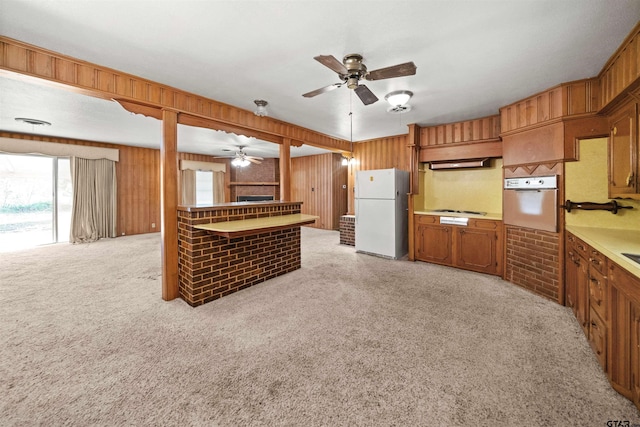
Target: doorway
(35,200)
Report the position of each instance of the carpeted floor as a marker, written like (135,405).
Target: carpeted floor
(348,340)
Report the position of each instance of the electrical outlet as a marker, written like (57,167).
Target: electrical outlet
(153,225)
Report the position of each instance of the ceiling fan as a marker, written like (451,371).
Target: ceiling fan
(351,70)
(240,158)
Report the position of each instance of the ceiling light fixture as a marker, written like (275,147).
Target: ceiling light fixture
(240,162)
(261,107)
(398,101)
(33,122)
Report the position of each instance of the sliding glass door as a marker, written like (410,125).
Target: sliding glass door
(35,200)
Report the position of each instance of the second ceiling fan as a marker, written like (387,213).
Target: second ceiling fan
(351,70)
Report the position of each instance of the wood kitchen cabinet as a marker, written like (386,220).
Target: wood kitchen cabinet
(433,241)
(624,331)
(586,286)
(476,247)
(606,301)
(623,154)
(577,280)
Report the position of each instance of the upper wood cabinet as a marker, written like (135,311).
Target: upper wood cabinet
(470,139)
(623,154)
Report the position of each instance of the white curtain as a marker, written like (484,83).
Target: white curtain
(94,210)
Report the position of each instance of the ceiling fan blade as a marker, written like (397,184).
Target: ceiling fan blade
(366,96)
(322,90)
(253,160)
(253,157)
(400,70)
(330,61)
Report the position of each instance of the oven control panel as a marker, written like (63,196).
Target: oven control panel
(531,183)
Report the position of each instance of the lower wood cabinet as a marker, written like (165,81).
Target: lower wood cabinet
(624,331)
(477,247)
(605,299)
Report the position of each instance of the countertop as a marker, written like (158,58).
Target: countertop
(250,226)
(489,215)
(612,243)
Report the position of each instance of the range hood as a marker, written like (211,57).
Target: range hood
(453,164)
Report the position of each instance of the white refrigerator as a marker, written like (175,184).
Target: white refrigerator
(382,212)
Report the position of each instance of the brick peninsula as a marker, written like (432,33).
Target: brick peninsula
(226,247)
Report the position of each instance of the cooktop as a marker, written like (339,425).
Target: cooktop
(457,211)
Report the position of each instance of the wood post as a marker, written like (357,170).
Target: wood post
(285,170)
(169,204)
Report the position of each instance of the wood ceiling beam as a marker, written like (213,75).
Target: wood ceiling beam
(24,60)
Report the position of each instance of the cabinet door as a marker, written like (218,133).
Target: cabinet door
(433,244)
(598,338)
(570,279)
(476,250)
(581,307)
(635,354)
(622,154)
(624,314)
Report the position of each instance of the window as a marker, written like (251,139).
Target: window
(35,200)
(204,187)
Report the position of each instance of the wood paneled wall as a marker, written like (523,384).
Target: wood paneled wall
(566,100)
(317,182)
(622,70)
(483,129)
(138,180)
(381,153)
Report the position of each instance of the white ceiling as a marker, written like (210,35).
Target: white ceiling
(472,57)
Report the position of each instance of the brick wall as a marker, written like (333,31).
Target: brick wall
(533,260)
(348,230)
(267,171)
(211,266)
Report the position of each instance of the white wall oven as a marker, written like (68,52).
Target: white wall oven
(532,202)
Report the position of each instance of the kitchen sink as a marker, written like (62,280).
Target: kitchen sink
(633,257)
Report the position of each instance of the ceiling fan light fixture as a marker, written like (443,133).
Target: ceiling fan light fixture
(261,107)
(398,98)
(352,82)
(239,162)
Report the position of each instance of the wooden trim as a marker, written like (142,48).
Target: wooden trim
(476,130)
(461,151)
(21,60)
(169,204)
(285,169)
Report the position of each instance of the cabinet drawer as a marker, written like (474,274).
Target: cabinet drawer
(426,219)
(486,224)
(598,292)
(581,248)
(597,261)
(598,338)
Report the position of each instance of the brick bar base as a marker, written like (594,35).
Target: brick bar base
(212,266)
(348,230)
(533,260)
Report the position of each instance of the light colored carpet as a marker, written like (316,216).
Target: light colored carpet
(349,339)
